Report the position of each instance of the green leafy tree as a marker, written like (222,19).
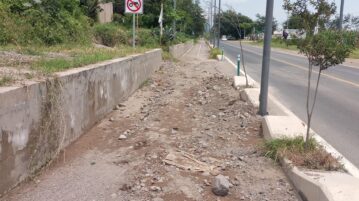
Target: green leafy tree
(90,8)
(235,24)
(325,49)
(294,22)
(260,22)
(188,15)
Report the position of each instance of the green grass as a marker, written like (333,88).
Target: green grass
(314,157)
(354,54)
(277,43)
(5,80)
(276,147)
(214,52)
(147,82)
(81,58)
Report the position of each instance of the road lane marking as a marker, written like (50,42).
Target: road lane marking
(305,69)
(293,54)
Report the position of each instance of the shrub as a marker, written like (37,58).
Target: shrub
(47,22)
(214,52)
(313,156)
(146,38)
(110,34)
(5,36)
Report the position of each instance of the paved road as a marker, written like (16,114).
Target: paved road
(336,116)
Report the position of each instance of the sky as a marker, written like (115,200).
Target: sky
(251,7)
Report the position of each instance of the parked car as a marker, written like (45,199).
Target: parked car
(224,37)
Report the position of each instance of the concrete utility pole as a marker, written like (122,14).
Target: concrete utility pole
(263,98)
(211,14)
(219,23)
(214,23)
(340,24)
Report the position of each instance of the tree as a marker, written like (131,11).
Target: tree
(90,8)
(294,22)
(325,49)
(350,22)
(231,22)
(259,24)
(188,15)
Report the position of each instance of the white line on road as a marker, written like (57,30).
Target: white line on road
(296,55)
(304,68)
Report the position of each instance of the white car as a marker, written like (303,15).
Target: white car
(224,37)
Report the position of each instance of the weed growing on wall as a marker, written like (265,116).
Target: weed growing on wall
(51,133)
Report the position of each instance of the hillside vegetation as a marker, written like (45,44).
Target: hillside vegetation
(38,37)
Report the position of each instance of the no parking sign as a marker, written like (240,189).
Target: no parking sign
(134,6)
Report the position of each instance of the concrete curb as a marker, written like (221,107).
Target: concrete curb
(307,188)
(311,185)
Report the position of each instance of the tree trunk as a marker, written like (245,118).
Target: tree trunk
(244,67)
(309,117)
(310,110)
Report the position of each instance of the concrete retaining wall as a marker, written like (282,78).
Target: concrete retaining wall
(180,49)
(38,120)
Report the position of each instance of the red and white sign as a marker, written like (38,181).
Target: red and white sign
(134,6)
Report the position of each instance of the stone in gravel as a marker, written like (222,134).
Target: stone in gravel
(206,182)
(112,119)
(157,199)
(155,188)
(122,137)
(174,130)
(220,185)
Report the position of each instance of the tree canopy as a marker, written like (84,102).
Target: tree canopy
(259,24)
(235,24)
(189,15)
(294,22)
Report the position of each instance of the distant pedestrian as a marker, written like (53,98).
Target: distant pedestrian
(285,35)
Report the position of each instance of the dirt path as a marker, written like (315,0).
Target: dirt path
(167,142)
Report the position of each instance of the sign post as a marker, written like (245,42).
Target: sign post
(134,7)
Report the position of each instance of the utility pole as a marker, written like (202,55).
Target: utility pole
(214,23)
(263,97)
(340,24)
(211,14)
(219,23)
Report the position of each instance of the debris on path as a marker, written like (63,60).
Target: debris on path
(185,135)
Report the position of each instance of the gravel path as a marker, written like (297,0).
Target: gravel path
(168,141)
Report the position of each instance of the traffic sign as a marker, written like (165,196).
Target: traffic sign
(134,6)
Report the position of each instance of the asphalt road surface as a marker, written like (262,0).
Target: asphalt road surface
(336,115)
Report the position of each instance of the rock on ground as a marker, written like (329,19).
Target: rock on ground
(220,185)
